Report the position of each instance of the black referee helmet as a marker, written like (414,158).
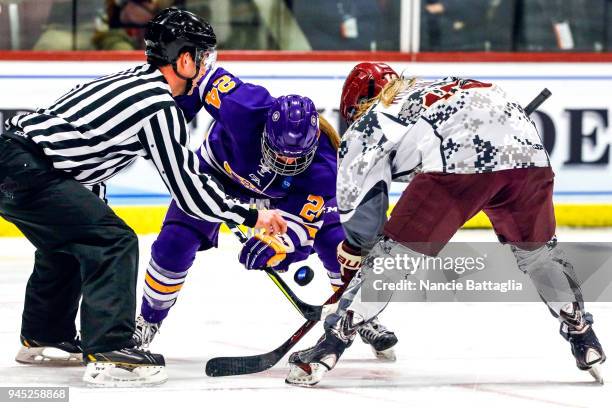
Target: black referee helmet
(174,31)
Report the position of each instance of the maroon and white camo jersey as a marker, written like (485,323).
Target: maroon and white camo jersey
(452,125)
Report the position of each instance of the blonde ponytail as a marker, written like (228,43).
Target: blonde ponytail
(387,95)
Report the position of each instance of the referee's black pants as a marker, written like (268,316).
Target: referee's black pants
(82,249)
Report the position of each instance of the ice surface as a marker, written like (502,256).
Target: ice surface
(449,355)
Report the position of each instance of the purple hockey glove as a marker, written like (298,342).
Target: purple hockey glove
(262,251)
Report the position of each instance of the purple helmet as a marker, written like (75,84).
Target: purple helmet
(291,135)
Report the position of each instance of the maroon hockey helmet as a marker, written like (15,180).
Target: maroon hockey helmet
(364,82)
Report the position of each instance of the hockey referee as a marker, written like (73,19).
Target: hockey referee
(53,165)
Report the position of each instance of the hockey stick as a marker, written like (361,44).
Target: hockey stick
(310,312)
(224,366)
(537,101)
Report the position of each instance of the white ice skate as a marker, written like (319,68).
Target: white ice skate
(306,375)
(111,375)
(307,367)
(130,367)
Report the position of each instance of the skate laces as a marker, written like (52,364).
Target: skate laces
(369,332)
(376,325)
(145,332)
(373,330)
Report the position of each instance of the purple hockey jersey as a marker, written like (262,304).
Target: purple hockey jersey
(232,153)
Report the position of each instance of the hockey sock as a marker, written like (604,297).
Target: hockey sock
(160,291)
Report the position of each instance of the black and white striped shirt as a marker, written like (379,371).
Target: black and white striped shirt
(99,128)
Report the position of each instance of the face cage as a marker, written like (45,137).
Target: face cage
(209,56)
(280,167)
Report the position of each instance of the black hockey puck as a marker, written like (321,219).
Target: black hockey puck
(303,276)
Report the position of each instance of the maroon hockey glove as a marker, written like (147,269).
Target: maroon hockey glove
(349,258)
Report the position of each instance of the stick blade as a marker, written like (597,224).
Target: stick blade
(224,366)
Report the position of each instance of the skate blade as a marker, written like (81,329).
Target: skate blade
(595,371)
(114,375)
(387,356)
(49,356)
(300,378)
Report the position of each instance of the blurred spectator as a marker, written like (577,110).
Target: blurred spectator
(247,32)
(388,32)
(466,25)
(58,30)
(348,24)
(434,10)
(446,25)
(549,25)
(32,15)
(122,25)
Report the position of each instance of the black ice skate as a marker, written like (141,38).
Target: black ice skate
(578,330)
(307,367)
(145,332)
(380,339)
(50,353)
(127,367)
